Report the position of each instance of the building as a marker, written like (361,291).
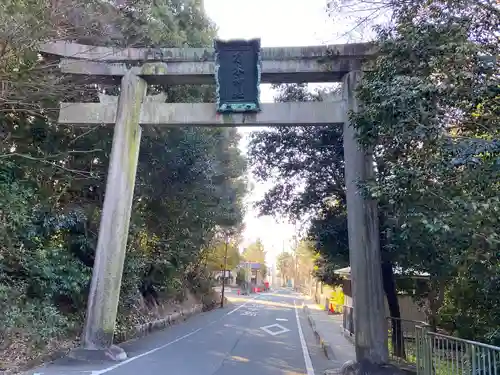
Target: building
(255,268)
(229,275)
(254,276)
(410,311)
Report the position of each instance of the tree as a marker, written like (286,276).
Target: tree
(190,182)
(306,162)
(285,266)
(216,255)
(255,252)
(431,112)
(306,256)
(308,165)
(241,277)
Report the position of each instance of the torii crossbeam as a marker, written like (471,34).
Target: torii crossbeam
(171,66)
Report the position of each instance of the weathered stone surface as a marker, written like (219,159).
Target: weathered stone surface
(365,367)
(370,326)
(174,317)
(159,324)
(112,99)
(112,353)
(197,65)
(113,54)
(203,72)
(204,114)
(110,253)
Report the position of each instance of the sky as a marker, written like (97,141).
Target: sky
(278,23)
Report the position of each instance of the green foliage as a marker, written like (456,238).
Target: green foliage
(337,297)
(190,182)
(216,255)
(39,320)
(307,165)
(29,286)
(430,113)
(263,270)
(241,277)
(305,161)
(299,265)
(255,252)
(285,265)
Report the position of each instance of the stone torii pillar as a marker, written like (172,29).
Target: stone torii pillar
(370,326)
(97,338)
(198,66)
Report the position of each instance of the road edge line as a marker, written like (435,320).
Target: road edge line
(305,351)
(120,364)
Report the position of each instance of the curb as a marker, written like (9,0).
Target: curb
(349,337)
(159,324)
(327,349)
(138,332)
(343,369)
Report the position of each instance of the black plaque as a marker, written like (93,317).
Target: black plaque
(237,75)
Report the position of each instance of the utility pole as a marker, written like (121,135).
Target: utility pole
(224,275)
(296,261)
(249,276)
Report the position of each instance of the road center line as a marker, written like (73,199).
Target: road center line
(305,351)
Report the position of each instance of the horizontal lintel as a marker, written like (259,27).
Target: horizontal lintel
(113,54)
(202,72)
(204,114)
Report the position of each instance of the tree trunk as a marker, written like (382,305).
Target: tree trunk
(435,301)
(397,337)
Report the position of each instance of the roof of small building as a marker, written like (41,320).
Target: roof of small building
(253,265)
(398,271)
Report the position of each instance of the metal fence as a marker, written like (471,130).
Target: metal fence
(402,340)
(439,354)
(413,344)
(348,320)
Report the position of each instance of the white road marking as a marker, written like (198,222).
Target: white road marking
(280,328)
(249,313)
(307,359)
(305,352)
(240,306)
(123,363)
(111,368)
(282,320)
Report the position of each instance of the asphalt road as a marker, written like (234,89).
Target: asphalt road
(265,334)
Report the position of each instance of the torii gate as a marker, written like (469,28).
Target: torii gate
(174,66)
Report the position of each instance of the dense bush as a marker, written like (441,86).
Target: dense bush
(190,182)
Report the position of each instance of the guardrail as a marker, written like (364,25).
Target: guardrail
(402,339)
(413,344)
(439,354)
(348,320)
